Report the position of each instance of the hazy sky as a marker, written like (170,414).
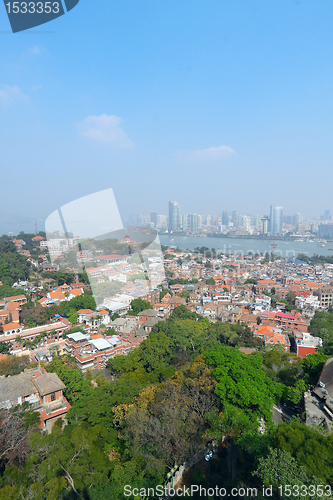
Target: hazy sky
(216,104)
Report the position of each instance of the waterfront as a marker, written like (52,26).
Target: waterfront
(242,246)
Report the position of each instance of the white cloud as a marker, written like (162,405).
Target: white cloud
(35,50)
(205,155)
(34,88)
(11,94)
(105,128)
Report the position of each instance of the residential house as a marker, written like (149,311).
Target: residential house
(325,296)
(306,344)
(175,302)
(44,391)
(146,314)
(94,353)
(265,285)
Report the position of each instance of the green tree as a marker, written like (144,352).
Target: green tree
(156,351)
(242,383)
(13,365)
(72,316)
(312,366)
(291,296)
(4,347)
(322,326)
(184,294)
(166,424)
(72,460)
(139,305)
(164,292)
(311,448)
(279,468)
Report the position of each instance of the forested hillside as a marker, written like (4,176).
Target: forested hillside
(13,266)
(186,385)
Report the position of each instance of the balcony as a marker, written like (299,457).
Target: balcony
(59,404)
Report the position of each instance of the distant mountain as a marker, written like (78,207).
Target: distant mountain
(13,223)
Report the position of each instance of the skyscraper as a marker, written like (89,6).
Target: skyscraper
(256,221)
(244,220)
(297,219)
(275,223)
(174,216)
(190,222)
(225,218)
(161,221)
(265,224)
(235,218)
(153,218)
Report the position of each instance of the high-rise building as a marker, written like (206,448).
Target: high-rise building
(244,220)
(194,223)
(275,225)
(327,215)
(225,218)
(265,224)
(161,221)
(297,219)
(235,218)
(153,218)
(287,219)
(214,220)
(256,221)
(207,220)
(186,222)
(174,216)
(190,222)
(325,230)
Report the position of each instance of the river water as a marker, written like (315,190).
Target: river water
(242,246)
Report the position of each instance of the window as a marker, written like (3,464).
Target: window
(53,396)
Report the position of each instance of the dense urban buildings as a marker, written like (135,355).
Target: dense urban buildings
(272,223)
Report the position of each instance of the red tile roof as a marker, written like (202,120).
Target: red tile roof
(10,326)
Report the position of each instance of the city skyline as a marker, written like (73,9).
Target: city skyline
(13,224)
(292,219)
(235,223)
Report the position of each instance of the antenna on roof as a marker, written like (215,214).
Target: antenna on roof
(35,228)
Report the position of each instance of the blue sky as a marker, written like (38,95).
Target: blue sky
(216,104)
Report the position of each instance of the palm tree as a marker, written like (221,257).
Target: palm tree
(18,339)
(27,343)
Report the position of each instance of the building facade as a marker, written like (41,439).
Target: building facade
(174,216)
(275,225)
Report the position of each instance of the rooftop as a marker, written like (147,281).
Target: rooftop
(47,383)
(78,336)
(100,344)
(19,385)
